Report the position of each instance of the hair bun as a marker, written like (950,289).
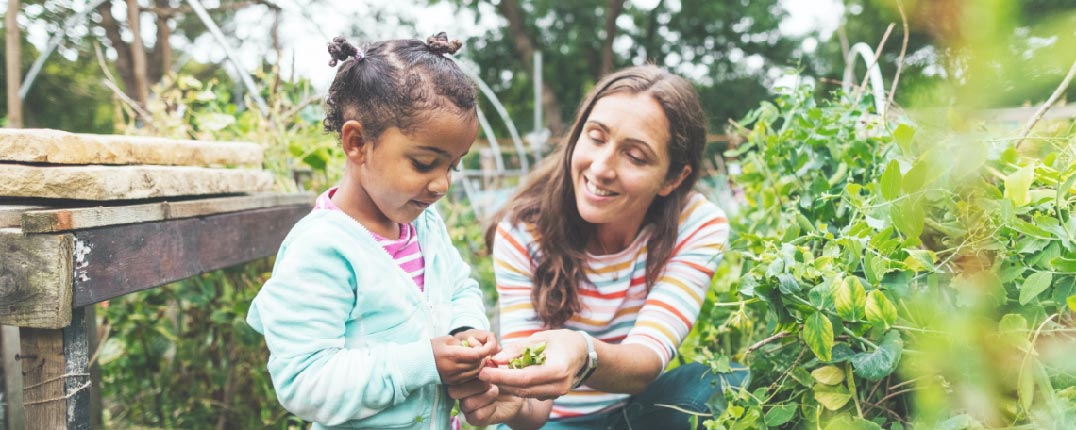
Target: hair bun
(440,45)
(340,50)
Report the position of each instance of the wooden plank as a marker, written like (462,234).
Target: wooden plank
(128,258)
(126,182)
(55,220)
(43,386)
(57,382)
(11,215)
(9,352)
(193,208)
(77,381)
(60,147)
(35,279)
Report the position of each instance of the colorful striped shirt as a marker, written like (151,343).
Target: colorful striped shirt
(616,306)
(405,250)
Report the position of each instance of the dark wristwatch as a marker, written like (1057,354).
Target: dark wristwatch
(591,364)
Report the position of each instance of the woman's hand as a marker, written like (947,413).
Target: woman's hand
(565,352)
(482,404)
(457,363)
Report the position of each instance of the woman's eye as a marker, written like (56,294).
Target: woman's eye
(637,159)
(595,136)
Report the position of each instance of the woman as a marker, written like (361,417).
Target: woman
(605,254)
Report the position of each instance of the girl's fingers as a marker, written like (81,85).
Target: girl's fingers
(473,403)
(467,389)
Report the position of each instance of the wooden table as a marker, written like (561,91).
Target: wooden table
(57,261)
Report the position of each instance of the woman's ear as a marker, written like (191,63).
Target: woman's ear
(354,141)
(674,183)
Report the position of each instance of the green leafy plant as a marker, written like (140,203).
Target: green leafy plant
(875,267)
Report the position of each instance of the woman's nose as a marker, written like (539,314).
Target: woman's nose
(603,165)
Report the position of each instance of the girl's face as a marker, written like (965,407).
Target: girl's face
(403,172)
(620,161)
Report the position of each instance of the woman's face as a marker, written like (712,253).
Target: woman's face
(621,160)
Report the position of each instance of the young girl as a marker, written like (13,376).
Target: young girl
(368,302)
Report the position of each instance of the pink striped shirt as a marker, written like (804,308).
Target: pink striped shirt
(405,250)
(617,308)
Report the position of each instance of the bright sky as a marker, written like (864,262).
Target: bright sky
(305,30)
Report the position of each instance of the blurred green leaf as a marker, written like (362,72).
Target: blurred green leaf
(891,181)
(833,397)
(781,414)
(845,422)
(1018,183)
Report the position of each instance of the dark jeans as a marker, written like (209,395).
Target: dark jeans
(687,388)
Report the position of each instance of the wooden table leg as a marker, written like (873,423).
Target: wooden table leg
(56,377)
(9,350)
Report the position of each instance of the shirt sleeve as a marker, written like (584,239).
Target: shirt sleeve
(512,268)
(673,304)
(302,310)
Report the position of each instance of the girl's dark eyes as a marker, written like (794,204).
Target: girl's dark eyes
(421,167)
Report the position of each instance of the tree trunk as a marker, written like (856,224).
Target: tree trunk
(525,47)
(14,65)
(123,50)
(612,12)
(138,52)
(161,59)
(652,52)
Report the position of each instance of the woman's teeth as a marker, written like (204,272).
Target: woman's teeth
(598,191)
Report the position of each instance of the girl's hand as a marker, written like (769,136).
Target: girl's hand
(475,337)
(565,353)
(457,363)
(490,406)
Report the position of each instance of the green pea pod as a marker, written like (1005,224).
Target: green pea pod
(465,343)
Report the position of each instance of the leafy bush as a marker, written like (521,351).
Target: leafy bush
(893,275)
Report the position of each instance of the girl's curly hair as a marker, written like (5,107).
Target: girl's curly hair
(396,83)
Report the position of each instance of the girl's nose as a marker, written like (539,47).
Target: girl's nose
(439,186)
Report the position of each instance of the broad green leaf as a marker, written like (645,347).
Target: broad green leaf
(833,397)
(1012,322)
(908,216)
(920,260)
(849,299)
(880,311)
(818,335)
(788,284)
(874,267)
(1018,183)
(828,375)
(1030,229)
(890,181)
(882,361)
(1034,285)
(1071,300)
(903,135)
(1063,264)
(916,177)
(781,414)
(845,422)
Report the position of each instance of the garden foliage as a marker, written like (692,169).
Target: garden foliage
(913,272)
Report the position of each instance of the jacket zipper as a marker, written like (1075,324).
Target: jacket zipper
(425,299)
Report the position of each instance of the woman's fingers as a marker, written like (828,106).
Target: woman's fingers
(540,382)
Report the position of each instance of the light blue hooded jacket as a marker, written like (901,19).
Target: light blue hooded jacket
(349,331)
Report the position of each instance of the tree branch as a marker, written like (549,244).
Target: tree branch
(1049,102)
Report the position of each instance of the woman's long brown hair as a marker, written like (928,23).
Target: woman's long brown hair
(562,234)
